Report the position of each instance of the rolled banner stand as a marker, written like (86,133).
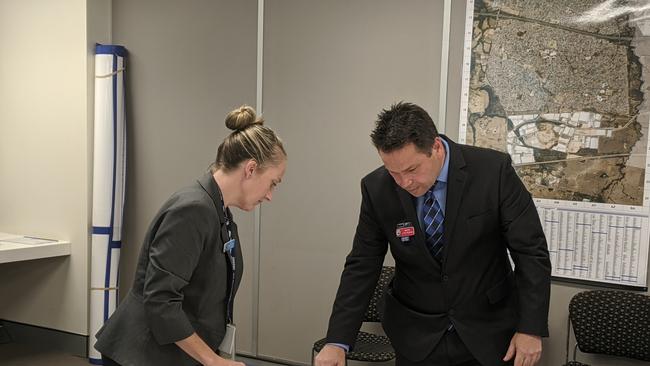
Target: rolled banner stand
(109,168)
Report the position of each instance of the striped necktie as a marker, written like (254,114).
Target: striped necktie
(433,224)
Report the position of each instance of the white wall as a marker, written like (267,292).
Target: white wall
(45,121)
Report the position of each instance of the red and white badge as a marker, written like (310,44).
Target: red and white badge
(404,231)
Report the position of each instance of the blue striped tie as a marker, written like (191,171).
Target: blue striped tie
(433,224)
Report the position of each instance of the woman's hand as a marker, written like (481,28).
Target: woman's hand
(220,361)
(201,352)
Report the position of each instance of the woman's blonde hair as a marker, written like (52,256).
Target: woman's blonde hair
(250,139)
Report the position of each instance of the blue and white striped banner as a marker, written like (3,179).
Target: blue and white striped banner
(109,168)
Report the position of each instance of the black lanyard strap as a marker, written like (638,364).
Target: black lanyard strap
(229,251)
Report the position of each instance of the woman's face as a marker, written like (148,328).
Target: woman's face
(260,185)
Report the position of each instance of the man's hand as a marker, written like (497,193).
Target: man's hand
(330,355)
(526,348)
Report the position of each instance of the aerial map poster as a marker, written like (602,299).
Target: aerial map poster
(561,86)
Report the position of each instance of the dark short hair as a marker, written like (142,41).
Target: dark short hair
(401,124)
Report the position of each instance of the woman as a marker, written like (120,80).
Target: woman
(190,265)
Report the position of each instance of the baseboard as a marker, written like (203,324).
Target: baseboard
(45,338)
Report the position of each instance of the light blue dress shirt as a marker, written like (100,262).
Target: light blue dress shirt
(439,190)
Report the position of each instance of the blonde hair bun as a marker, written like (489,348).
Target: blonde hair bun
(242,118)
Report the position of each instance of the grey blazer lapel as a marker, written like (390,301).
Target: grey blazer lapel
(212,189)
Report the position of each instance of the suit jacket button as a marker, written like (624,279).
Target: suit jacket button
(452,312)
(445,278)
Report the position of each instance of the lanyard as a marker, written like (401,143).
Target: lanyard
(229,250)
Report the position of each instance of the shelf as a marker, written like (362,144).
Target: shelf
(14,248)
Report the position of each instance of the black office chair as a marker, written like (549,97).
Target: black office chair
(614,323)
(368,347)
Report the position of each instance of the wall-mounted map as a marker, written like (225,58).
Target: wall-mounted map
(562,87)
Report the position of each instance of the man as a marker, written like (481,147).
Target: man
(449,214)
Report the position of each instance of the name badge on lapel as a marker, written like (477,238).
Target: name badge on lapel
(405,231)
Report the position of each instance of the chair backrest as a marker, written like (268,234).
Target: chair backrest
(372,313)
(613,323)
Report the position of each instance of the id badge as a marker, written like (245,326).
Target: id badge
(228,343)
(229,246)
(405,231)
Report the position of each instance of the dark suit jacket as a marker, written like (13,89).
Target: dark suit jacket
(488,210)
(180,286)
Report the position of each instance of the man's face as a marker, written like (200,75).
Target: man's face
(414,170)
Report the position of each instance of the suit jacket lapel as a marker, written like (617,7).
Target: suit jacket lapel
(412,216)
(455,188)
(409,207)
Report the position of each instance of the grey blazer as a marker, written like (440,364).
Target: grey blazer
(181,283)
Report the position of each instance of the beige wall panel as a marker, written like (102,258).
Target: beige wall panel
(329,68)
(44,167)
(189,64)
